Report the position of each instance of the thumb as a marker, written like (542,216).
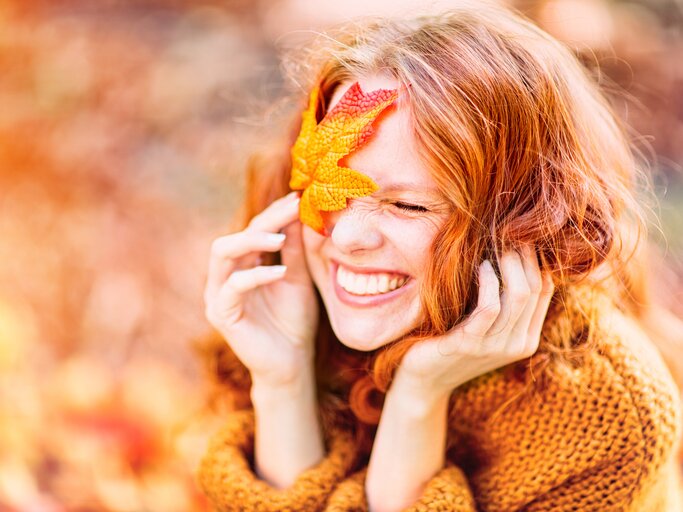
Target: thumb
(293,255)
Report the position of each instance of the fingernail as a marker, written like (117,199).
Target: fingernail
(487,267)
(277,269)
(275,238)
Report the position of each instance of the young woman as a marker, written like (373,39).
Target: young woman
(439,316)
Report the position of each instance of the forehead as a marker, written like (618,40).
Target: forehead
(391,155)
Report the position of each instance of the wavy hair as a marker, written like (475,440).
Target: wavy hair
(524,146)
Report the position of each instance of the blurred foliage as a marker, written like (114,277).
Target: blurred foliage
(124,127)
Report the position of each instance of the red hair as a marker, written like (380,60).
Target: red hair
(524,147)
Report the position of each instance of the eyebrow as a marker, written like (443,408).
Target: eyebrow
(407,186)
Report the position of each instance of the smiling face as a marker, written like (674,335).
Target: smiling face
(370,268)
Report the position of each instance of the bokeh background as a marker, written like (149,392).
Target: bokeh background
(124,129)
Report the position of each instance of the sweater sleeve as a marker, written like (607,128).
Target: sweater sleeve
(448,490)
(226,473)
(641,417)
(602,437)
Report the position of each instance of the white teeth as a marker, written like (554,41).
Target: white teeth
(368,284)
(383,285)
(341,278)
(359,284)
(371,287)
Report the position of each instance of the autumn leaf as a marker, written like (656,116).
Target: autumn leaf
(319,147)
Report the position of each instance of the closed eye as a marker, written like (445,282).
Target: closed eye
(410,207)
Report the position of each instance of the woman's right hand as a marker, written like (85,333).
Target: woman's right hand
(267,314)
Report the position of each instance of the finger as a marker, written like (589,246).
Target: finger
(534,281)
(241,281)
(538,318)
(293,254)
(273,219)
(277,215)
(227,249)
(488,302)
(515,293)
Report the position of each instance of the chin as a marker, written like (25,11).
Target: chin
(360,345)
(365,340)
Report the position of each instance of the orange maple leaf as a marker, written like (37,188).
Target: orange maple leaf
(319,147)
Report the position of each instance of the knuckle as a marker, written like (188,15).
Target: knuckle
(520,295)
(216,246)
(548,285)
(493,279)
(513,348)
(256,220)
(521,348)
(535,285)
(535,282)
(221,244)
(232,282)
(529,351)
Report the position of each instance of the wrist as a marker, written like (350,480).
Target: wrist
(288,437)
(415,396)
(300,387)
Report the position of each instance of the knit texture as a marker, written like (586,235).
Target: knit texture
(601,437)
(447,490)
(227,472)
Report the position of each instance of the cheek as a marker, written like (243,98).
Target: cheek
(313,244)
(414,238)
(310,239)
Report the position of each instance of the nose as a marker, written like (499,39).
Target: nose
(354,228)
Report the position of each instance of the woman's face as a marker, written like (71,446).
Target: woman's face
(370,268)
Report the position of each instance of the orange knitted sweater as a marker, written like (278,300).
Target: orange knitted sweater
(602,437)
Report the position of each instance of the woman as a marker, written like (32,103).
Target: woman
(442,323)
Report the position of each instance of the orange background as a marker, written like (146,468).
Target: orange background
(124,127)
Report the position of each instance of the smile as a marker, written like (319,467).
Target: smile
(366,289)
(368,284)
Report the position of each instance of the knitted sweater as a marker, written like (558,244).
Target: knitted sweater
(603,437)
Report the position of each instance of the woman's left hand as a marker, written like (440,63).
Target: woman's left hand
(502,329)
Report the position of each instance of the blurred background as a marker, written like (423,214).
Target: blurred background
(124,129)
